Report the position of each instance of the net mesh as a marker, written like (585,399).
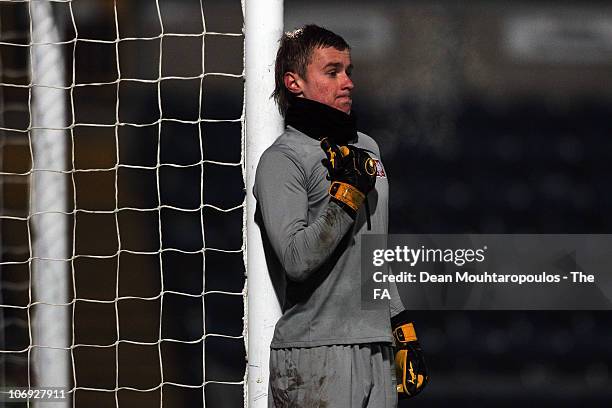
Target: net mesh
(153,172)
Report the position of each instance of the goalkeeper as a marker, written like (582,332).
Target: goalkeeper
(319,187)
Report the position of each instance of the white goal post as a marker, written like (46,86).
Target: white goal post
(263,29)
(50,249)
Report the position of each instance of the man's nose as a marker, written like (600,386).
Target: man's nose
(348,83)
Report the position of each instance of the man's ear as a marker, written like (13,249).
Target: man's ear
(293,82)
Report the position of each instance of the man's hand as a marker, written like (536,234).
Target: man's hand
(410,369)
(352,173)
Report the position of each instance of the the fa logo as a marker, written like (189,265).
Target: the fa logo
(381,294)
(380,171)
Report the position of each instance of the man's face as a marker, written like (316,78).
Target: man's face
(327,80)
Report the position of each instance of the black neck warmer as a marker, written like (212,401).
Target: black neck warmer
(318,120)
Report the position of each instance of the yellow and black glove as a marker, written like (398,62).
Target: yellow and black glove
(410,368)
(352,173)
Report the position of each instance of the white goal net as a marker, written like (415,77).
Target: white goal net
(122,199)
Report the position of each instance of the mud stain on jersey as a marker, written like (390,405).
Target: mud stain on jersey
(332,219)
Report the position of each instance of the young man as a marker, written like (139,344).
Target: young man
(319,187)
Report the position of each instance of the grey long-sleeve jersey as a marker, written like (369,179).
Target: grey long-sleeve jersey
(317,246)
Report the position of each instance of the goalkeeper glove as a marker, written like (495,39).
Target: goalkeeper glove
(352,173)
(410,369)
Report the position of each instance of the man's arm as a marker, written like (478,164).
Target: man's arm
(281,194)
(410,367)
(396,306)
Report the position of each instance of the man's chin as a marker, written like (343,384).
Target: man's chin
(346,108)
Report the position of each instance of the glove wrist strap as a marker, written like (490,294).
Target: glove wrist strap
(405,333)
(346,194)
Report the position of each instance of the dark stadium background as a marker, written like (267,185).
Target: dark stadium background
(476,137)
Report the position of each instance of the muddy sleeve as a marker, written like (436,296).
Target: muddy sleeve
(283,201)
